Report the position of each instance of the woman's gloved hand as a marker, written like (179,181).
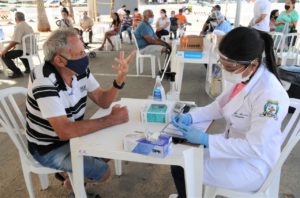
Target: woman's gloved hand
(193,135)
(185,119)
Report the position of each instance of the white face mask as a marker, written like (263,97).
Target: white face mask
(235,78)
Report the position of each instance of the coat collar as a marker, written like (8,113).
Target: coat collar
(235,103)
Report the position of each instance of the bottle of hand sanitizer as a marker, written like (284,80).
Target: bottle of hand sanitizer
(158,90)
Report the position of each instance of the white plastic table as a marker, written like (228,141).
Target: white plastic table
(178,61)
(108,143)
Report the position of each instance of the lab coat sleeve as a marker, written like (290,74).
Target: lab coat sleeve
(206,113)
(263,139)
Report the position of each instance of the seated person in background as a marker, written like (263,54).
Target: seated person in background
(162,24)
(147,41)
(86,24)
(174,25)
(273,16)
(66,21)
(56,104)
(15,47)
(136,17)
(114,30)
(219,23)
(126,25)
(206,26)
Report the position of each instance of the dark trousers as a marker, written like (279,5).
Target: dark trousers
(161,33)
(128,29)
(8,60)
(90,35)
(178,177)
(174,32)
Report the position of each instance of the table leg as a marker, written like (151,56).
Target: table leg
(193,172)
(78,176)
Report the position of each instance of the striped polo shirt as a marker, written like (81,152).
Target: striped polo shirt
(48,96)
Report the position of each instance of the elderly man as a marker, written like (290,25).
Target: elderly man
(15,47)
(147,41)
(86,25)
(56,103)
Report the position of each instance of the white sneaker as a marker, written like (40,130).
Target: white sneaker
(173,196)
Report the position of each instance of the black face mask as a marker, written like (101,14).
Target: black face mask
(286,7)
(275,17)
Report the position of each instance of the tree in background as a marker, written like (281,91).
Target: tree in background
(42,19)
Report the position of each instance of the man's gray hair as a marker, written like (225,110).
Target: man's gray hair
(57,41)
(146,12)
(20,16)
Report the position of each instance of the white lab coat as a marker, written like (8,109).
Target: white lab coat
(242,157)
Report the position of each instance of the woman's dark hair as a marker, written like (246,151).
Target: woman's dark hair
(246,44)
(127,12)
(116,21)
(65,10)
(273,12)
(163,10)
(136,9)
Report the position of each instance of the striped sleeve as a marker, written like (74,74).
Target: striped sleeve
(92,84)
(47,97)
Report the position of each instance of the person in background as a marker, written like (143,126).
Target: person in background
(174,25)
(66,21)
(206,26)
(290,16)
(147,41)
(261,18)
(122,12)
(254,106)
(114,30)
(56,104)
(15,47)
(126,26)
(181,19)
(137,18)
(273,16)
(219,23)
(61,6)
(86,25)
(162,24)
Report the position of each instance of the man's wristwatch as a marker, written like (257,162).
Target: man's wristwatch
(115,84)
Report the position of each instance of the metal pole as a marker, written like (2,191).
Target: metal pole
(237,13)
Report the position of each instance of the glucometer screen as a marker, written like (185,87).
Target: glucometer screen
(178,140)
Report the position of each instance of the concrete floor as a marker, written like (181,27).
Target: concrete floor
(138,180)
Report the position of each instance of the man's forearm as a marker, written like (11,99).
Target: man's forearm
(84,127)
(260,18)
(10,46)
(109,96)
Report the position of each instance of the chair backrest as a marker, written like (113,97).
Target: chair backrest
(291,136)
(135,42)
(290,47)
(12,119)
(30,44)
(277,38)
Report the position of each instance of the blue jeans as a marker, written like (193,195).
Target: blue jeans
(60,159)
(128,29)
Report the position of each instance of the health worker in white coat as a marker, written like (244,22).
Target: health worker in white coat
(254,107)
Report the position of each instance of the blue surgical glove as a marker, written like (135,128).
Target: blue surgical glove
(185,119)
(193,135)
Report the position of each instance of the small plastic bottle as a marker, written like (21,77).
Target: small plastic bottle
(158,90)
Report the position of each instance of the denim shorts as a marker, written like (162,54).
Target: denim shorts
(60,159)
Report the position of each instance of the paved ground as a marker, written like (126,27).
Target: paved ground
(138,180)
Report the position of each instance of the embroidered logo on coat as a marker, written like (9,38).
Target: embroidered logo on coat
(271,109)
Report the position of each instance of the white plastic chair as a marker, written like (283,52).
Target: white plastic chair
(32,50)
(99,31)
(289,54)
(140,60)
(277,39)
(116,42)
(13,122)
(270,187)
